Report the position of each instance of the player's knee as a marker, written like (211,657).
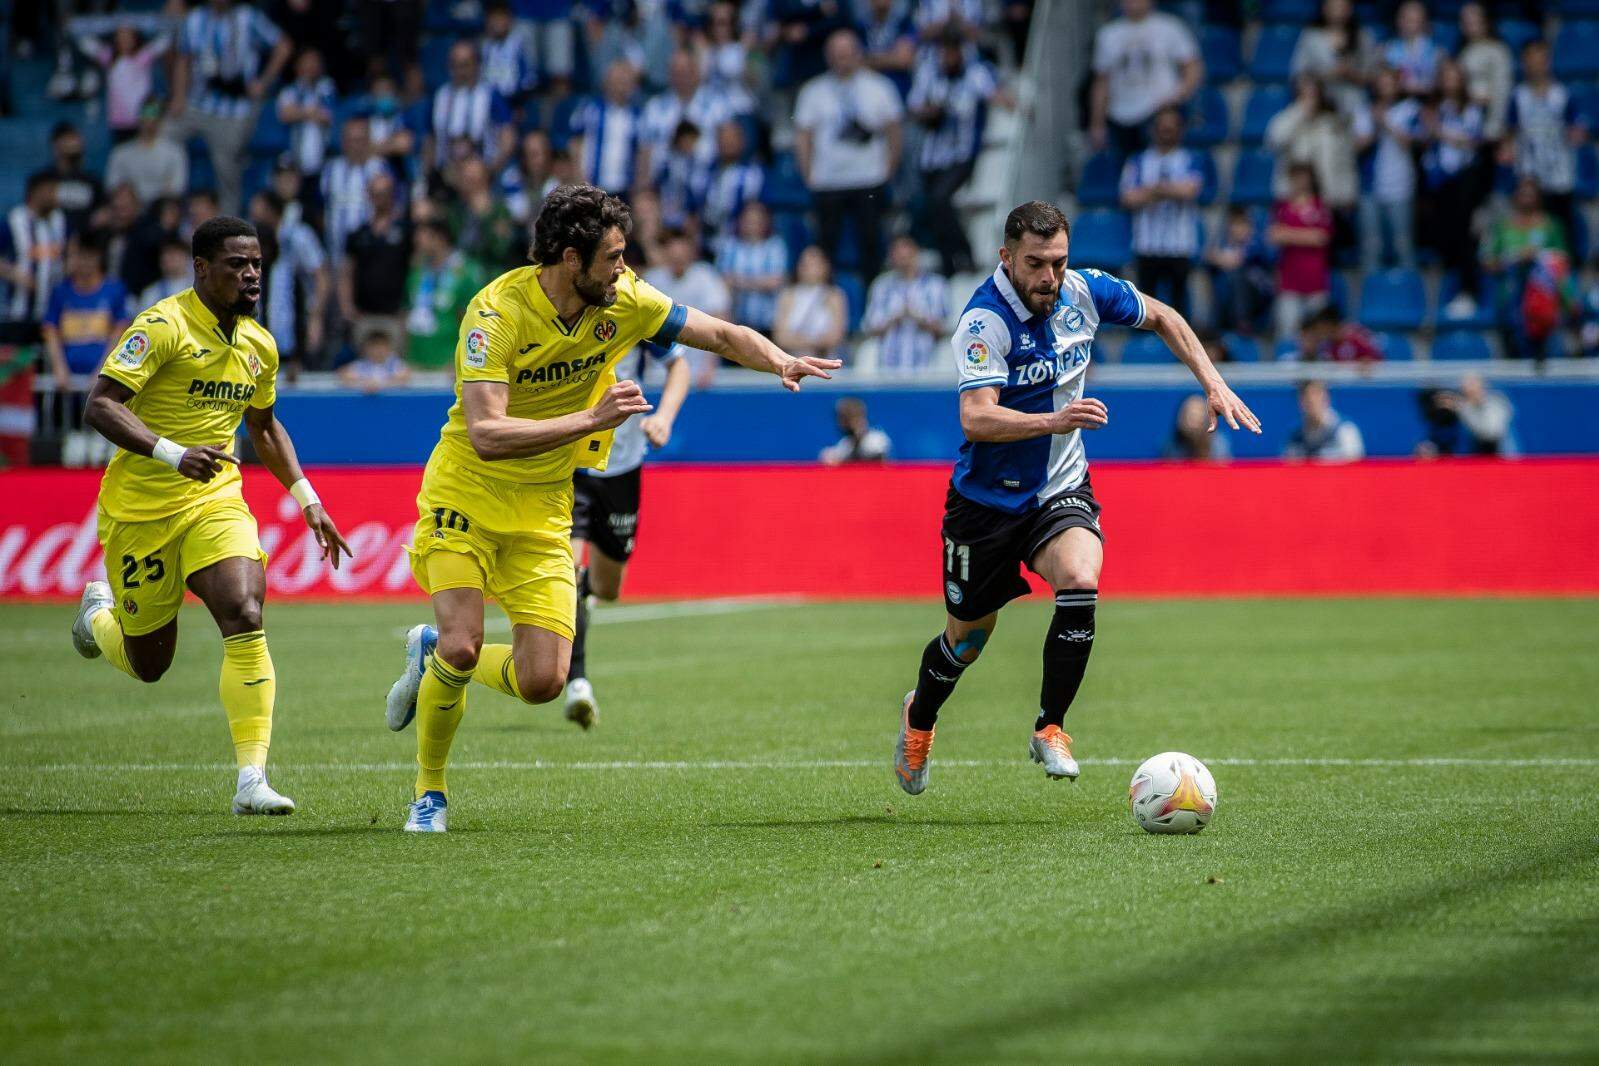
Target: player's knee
(541,687)
(460,650)
(150,673)
(1079,576)
(241,616)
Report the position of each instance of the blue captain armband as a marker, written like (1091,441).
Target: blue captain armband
(666,336)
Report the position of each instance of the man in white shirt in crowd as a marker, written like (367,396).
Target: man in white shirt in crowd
(847,142)
(467,106)
(1143,62)
(607,133)
(151,163)
(1161,187)
(689,280)
(906,310)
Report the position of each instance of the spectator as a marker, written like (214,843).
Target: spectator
(483,227)
(859,441)
(305,106)
(298,280)
(812,314)
(1517,237)
(754,264)
(1326,338)
(612,35)
(1453,127)
(1388,207)
(1143,61)
(906,310)
(606,133)
(1160,186)
(115,224)
(1322,434)
(1546,128)
(141,256)
(443,281)
(129,64)
(526,183)
(322,25)
(1488,65)
(377,257)
(1527,248)
(1484,414)
(681,179)
(467,106)
(1338,51)
(219,82)
(1301,231)
(938,20)
(801,30)
(177,274)
(1412,54)
(507,54)
(948,99)
(693,282)
(151,163)
(391,127)
(86,313)
(198,206)
(78,192)
(1241,281)
(345,181)
(644,243)
(1191,436)
(379,368)
(847,142)
(890,37)
(31,245)
(734,181)
(722,52)
(1313,131)
(686,100)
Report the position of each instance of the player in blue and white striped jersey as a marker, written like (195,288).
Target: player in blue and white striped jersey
(1020,494)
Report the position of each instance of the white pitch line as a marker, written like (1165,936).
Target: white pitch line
(659,612)
(805,764)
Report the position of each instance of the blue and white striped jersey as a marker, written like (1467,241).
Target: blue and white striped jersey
(1038,363)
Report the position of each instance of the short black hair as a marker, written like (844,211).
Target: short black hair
(578,217)
(61,129)
(93,242)
(213,233)
(1038,217)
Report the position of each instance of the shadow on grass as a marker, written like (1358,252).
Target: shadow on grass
(107,812)
(878,819)
(1376,1024)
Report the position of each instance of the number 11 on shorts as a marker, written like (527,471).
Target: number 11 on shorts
(954,552)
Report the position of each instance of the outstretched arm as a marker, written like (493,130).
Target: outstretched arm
(1179,336)
(276,450)
(748,348)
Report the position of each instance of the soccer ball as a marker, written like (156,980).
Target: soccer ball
(1172,793)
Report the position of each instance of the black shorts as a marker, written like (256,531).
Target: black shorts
(985,549)
(605,512)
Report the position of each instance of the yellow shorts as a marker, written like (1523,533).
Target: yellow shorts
(512,542)
(148,563)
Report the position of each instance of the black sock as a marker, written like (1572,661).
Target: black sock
(581,628)
(1066,651)
(934,684)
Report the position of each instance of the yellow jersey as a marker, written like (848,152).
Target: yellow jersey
(191,385)
(512,334)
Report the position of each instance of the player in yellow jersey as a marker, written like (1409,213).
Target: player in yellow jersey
(536,397)
(171,515)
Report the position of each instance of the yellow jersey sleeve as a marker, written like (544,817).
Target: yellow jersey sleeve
(266,379)
(654,313)
(146,345)
(487,342)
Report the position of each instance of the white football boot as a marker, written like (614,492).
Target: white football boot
(255,796)
(96,598)
(428,814)
(1052,746)
(581,706)
(420,641)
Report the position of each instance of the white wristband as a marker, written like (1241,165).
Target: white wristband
(168,452)
(304,494)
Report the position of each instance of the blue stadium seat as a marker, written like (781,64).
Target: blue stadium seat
(1101,181)
(1446,33)
(784,188)
(1485,316)
(1209,121)
(1242,349)
(1338,293)
(1461,344)
(1395,347)
(1298,12)
(1263,105)
(1211,184)
(271,136)
(1393,300)
(1274,48)
(854,294)
(1576,53)
(1285,351)
(1101,238)
(436,61)
(1145,348)
(1517,32)
(795,229)
(1252,177)
(1576,8)
(1224,57)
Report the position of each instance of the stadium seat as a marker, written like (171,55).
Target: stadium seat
(784,188)
(854,294)
(1517,32)
(1242,349)
(1101,238)
(1263,105)
(436,61)
(1446,33)
(1338,293)
(1101,181)
(1145,348)
(1393,300)
(1395,347)
(1461,344)
(1252,177)
(1210,184)
(1296,12)
(1483,318)
(795,229)
(1576,52)
(1222,52)
(271,136)
(1576,8)
(1209,121)
(1274,48)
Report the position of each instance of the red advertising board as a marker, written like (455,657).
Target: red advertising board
(1378,527)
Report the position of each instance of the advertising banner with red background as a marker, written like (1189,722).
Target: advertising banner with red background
(871,531)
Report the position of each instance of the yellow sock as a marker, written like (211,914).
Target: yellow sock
(108,635)
(496,668)
(440,702)
(249,686)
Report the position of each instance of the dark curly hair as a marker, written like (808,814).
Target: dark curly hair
(578,217)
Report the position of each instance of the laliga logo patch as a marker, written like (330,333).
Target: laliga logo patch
(604,330)
(953,591)
(477,348)
(977,355)
(133,349)
(1072,319)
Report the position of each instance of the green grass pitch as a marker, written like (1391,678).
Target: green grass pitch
(725,870)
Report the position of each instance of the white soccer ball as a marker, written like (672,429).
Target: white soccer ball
(1172,793)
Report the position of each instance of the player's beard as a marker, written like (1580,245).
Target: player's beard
(595,293)
(1046,299)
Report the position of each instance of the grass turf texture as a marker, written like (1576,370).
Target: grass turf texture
(792,911)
